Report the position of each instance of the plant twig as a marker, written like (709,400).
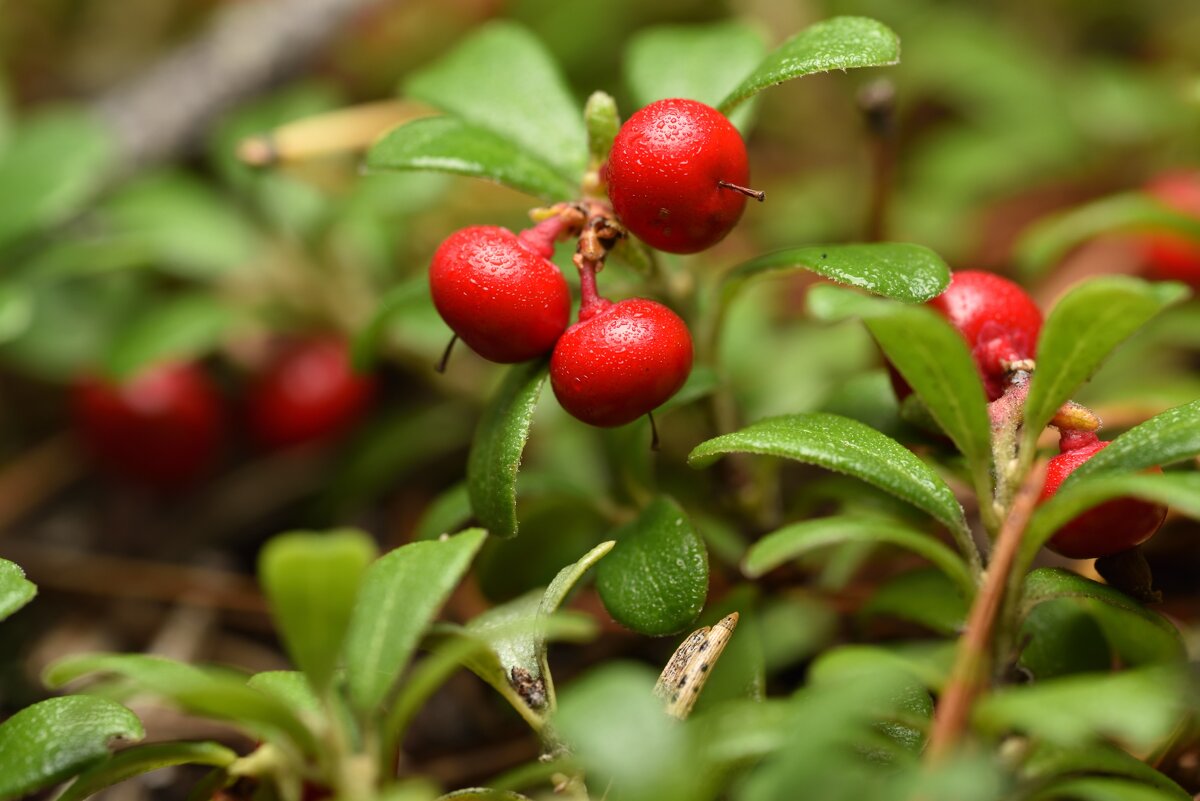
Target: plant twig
(972,664)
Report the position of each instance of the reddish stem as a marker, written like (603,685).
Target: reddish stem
(542,236)
(590,303)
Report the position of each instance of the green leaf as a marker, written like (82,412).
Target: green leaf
(833,304)
(1180,491)
(449,144)
(400,298)
(447,512)
(793,541)
(503,79)
(1138,707)
(1061,639)
(699,62)
(400,594)
(180,225)
(1164,439)
(1080,332)
(15,589)
(569,576)
(183,328)
(925,596)
(289,686)
(213,693)
(846,446)
(312,581)
(16,309)
(1045,243)
(908,273)
(656,578)
(142,759)
(1138,635)
(496,450)
(1048,762)
(52,740)
(934,359)
(840,43)
(482,794)
(1090,788)
(56,162)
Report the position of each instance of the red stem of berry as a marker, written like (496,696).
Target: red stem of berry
(542,236)
(591,303)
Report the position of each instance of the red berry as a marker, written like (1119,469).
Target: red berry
(1110,528)
(307,392)
(500,293)
(997,319)
(1172,256)
(621,362)
(162,428)
(665,173)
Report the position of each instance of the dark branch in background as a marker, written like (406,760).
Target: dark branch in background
(247,47)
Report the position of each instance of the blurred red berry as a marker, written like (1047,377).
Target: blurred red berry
(308,391)
(1171,256)
(163,428)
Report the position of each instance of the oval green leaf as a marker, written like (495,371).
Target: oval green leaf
(1139,708)
(1080,332)
(791,542)
(845,446)
(143,759)
(904,272)
(15,589)
(656,578)
(184,328)
(17,307)
(1047,762)
(699,62)
(311,581)
(1139,635)
(1164,439)
(503,79)
(1046,242)
(1180,491)
(400,594)
(289,686)
(448,144)
(495,456)
(840,43)
(934,359)
(1097,788)
(52,740)
(925,596)
(209,692)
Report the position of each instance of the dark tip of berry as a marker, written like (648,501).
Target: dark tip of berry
(754,193)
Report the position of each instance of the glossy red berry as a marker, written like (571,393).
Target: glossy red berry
(500,293)
(621,362)
(665,175)
(999,321)
(1172,256)
(163,428)
(1110,528)
(308,391)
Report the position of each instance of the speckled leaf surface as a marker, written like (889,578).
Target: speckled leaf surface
(656,578)
(452,145)
(846,446)
(840,43)
(791,542)
(504,79)
(400,595)
(15,589)
(52,740)
(496,450)
(1164,439)
(1080,332)
(909,273)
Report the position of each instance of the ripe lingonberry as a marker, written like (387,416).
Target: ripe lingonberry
(306,392)
(677,174)
(500,293)
(162,428)
(1171,256)
(1110,528)
(620,361)
(997,319)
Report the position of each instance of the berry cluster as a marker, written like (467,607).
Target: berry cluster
(1001,324)
(166,427)
(675,180)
